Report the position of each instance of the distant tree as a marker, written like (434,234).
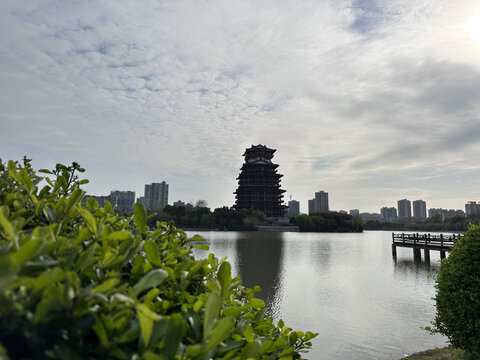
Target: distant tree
(436,219)
(201,203)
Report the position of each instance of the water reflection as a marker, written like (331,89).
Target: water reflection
(346,287)
(259,261)
(409,267)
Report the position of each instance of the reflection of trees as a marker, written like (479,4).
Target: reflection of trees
(259,259)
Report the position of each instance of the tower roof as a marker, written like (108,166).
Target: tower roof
(259,147)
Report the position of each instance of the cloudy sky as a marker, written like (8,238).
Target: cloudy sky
(370,100)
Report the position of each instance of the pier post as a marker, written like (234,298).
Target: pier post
(417,254)
(394,250)
(426,254)
(442,254)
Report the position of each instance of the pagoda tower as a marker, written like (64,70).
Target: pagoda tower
(259,183)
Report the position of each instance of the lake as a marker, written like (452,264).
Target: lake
(347,287)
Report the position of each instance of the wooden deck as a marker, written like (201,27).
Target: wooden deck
(427,242)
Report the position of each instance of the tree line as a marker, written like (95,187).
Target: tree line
(456,223)
(201,217)
(330,221)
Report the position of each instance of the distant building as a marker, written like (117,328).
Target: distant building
(354,212)
(143,200)
(472,208)
(293,208)
(419,209)
(445,213)
(318,204)
(342,212)
(321,201)
(311,206)
(388,214)
(404,209)
(179,203)
(156,196)
(370,216)
(122,201)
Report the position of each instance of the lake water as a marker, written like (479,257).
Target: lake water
(347,287)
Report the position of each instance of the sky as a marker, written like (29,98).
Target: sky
(370,100)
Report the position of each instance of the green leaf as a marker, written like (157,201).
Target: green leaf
(153,278)
(119,235)
(248,333)
(7,225)
(92,204)
(122,298)
(224,275)
(251,350)
(266,347)
(287,351)
(101,332)
(212,309)
(256,303)
(90,220)
(76,196)
(48,277)
(140,217)
(29,251)
(173,336)
(220,332)
(8,270)
(105,286)
(201,246)
(194,321)
(25,180)
(151,249)
(146,317)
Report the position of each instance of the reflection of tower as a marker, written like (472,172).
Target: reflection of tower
(259,259)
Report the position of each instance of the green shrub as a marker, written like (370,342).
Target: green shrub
(79,282)
(458,294)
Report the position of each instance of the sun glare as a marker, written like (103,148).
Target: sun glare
(474,27)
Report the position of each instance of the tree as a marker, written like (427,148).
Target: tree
(458,294)
(201,203)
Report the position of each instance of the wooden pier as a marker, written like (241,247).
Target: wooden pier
(427,242)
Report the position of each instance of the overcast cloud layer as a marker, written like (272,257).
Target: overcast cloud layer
(372,101)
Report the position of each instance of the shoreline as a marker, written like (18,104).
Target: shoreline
(445,353)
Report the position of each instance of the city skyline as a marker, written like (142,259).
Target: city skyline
(371,101)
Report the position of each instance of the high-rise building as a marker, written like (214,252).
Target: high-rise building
(156,196)
(259,183)
(319,203)
(293,208)
(472,208)
(419,209)
(388,214)
(404,209)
